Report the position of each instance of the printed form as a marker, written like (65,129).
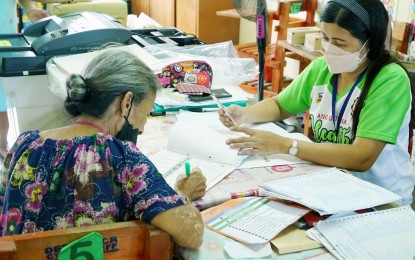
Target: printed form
(254,220)
(384,234)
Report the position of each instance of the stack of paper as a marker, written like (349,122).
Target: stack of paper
(202,136)
(386,234)
(330,191)
(252,220)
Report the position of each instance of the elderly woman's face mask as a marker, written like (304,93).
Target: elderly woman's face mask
(138,118)
(127,132)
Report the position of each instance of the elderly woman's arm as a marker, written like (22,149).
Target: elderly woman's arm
(183,223)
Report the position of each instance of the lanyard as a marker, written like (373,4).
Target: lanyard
(343,108)
(83,122)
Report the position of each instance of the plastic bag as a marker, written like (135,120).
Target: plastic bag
(228,68)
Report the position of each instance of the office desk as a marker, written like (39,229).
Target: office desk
(242,182)
(213,248)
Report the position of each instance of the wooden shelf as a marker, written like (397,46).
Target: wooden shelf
(299,49)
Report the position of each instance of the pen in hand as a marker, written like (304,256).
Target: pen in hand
(187,168)
(223,108)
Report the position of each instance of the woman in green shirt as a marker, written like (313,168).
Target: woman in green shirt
(359,98)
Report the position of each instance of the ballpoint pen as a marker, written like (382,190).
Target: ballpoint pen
(223,108)
(187,168)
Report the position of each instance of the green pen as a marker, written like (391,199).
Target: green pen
(187,168)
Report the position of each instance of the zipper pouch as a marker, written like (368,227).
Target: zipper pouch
(191,71)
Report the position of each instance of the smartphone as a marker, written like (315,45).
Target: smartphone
(198,98)
(219,93)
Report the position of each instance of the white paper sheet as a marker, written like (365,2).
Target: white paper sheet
(239,250)
(171,165)
(202,135)
(384,234)
(330,191)
(202,143)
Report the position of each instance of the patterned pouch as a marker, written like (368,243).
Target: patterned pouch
(190,71)
(192,89)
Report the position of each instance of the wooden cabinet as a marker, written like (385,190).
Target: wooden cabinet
(197,17)
(162,11)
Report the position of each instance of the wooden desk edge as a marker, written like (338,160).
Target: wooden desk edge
(159,242)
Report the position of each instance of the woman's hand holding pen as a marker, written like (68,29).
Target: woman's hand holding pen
(192,186)
(259,142)
(236,112)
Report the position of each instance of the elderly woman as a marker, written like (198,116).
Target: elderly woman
(91,171)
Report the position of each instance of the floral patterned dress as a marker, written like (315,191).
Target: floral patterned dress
(53,184)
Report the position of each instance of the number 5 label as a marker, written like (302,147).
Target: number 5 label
(88,247)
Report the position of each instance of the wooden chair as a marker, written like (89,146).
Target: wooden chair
(123,240)
(275,54)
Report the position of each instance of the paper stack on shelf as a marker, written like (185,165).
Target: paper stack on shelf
(330,191)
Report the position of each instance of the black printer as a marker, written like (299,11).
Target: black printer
(26,53)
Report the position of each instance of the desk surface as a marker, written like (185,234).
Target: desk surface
(235,183)
(213,248)
(299,49)
(239,183)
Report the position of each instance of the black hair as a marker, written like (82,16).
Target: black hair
(376,34)
(108,76)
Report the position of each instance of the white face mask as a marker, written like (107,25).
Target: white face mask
(339,60)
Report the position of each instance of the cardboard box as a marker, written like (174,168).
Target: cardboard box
(296,35)
(312,41)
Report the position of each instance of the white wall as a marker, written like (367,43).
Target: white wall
(404,11)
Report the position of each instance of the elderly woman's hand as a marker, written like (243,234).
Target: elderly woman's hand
(193,186)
